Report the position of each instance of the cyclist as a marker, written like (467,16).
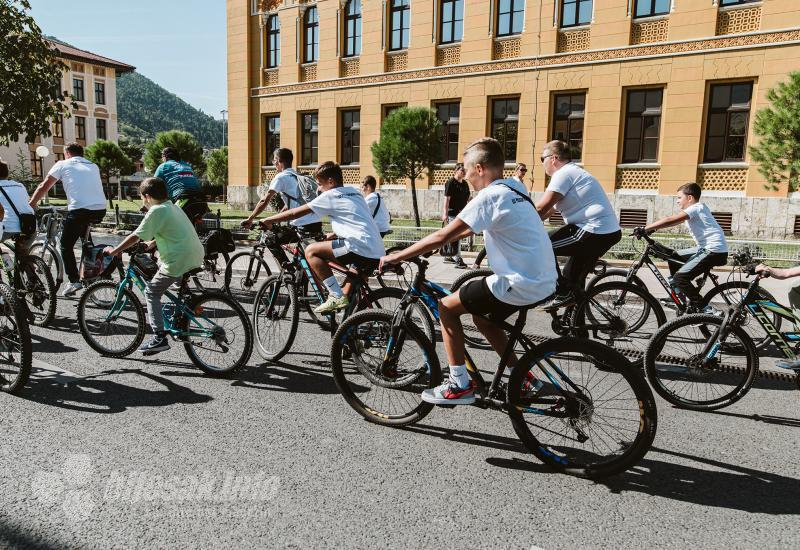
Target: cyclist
(456,195)
(591,226)
(86,204)
(182,185)
(521,255)
(179,251)
(14,199)
(356,239)
(711,249)
(376,204)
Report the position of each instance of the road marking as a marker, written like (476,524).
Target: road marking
(46,371)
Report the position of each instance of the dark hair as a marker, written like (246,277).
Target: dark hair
(520,165)
(369,181)
(284,155)
(74,149)
(560,150)
(330,170)
(3,170)
(170,153)
(155,187)
(458,166)
(691,189)
(486,152)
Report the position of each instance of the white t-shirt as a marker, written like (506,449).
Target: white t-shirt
(705,230)
(19,195)
(285,183)
(584,201)
(351,220)
(517,245)
(382,217)
(82,183)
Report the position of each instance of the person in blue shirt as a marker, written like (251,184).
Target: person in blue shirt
(183,187)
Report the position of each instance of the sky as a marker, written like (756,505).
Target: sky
(179,44)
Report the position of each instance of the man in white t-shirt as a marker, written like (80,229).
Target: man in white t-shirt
(521,257)
(711,249)
(376,205)
(86,204)
(16,193)
(357,240)
(591,226)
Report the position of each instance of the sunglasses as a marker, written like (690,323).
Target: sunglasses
(545,157)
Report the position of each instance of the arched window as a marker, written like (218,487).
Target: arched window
(399,24)
(452,27)
(352,28)
(510,17)
(273,41)
(311,34)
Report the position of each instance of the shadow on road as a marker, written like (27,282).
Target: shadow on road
(310,376)
(50,345)
(465,436)
(13,536)
(766,418)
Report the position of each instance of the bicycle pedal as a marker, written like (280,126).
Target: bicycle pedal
(447,406)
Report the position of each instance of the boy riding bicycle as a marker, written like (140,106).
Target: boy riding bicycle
(166,227)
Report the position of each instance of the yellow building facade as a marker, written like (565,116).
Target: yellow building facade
(651,93)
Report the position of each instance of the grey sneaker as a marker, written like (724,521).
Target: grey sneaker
(156,344)
(70,288)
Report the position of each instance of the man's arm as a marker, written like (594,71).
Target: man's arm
(260,207)
(129,241)
(669,221)
(42,190)
(446,207)
(778,273)
(547,203)
(286,215)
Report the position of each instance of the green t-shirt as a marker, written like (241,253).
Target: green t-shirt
(179,249)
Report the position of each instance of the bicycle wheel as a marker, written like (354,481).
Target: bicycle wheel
(730,294)
(472,335)
(677,368)
(40,290)
(16,355)
(621,315)
(113,324)
(595,418)
(213,275)
(389,299)
(244,273)
(275,318)
(218,338)
(51,258)
(390,279)
(613,274)
(383,393)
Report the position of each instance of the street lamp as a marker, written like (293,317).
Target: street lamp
(224,114)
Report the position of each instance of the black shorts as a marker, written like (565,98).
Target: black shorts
(351,258)
(479,300)
(309,230)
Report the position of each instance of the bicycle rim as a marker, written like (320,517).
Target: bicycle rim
(217,337)
(40,290)
(275,318)
(15,343)
(115,330)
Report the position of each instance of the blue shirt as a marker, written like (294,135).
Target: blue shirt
(180,179)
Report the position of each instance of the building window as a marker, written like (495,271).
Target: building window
(449,114)
(311,33)
(272,135)
(568,113)
(576,12)
(736,2)
(505,125)
(58,126)
(273,41)
(310,136)
(649,8)
(352,28)
(351,136)
(99,93)
(36,165)
(100,126)
(452,27)
(77,89)
(399,24)
(59,156)
(80,127)
(510,17)
(642,126)
(728,120)
(389,109)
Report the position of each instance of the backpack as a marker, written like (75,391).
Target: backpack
(307,189)
(378,207)
(217,241)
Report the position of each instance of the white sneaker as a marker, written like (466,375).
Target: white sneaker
(70,288)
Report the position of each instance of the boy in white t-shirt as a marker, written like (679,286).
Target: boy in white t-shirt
(357,239)
(711,249)
(376,204)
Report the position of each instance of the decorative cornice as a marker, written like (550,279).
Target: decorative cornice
(628,53)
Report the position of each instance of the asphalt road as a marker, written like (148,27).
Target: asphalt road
(100,453)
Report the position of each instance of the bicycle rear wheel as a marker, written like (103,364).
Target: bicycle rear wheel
(275,318)
(594,417)
(51,258)
(112,326)
(40,290)
(16,355)
(213,275)
(382,392)
(676,367)
(244,273)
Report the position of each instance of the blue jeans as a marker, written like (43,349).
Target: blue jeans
(689,264)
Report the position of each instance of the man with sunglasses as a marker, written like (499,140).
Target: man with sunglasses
(592,227)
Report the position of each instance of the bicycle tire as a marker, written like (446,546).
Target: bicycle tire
(345,348)
(287,310)
(88,303)
(15,337)
(385,278)
(40,294)
(683,369)
(472,335)
(324,321)
(225,336)
(760,337)
(249,283)
(212,277)
(51,257)
(620,381)
(382,298)
(614,274)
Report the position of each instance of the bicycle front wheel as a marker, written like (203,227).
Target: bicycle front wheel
(112,323)
(275,318)
(731,293)
(679,369)
(213,275)
(594,416)
(390,298)
(40,290)
(244,273)
(51,258)
(16,357)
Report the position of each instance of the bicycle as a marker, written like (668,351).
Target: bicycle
(705,362)
(31,279)
(598,417)
(16,356)
(245,270)
(211,326)
(276,312)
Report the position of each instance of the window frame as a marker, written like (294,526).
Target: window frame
(311,35)
(80,128)
(350,155)
(271,136)
(352,43)
(643,116)
(507,121)
(652,11)
(313,135)
(403,11)
(98,123)
(577,22)
(37,165)
(729,111)
(446,129)
(453,23)
(99,93)
(58,127)
(573,115)
(734,3)
(273,42)
(511,11)
(78,92)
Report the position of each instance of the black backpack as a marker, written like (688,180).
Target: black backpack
(218,241)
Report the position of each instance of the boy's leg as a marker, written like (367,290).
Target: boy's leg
(701,261)
(794,301)
(318,255)
(679,258)
(153,292)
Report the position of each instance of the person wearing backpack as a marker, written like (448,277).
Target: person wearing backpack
(376,205)
(295,190)
(16,213)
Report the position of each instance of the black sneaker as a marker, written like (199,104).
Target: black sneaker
(560,300)
(156,344)
(460,264)
(449,260)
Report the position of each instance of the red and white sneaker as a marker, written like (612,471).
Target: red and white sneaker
(450,393)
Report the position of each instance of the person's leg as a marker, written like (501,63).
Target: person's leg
(318,255)
(75,224)
(794,301)
(700,262)
(479,259)
(459,260)
(154,290)
(585,255)
(679,258)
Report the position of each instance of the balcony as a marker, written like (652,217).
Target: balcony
(648,31)
(350,66)
(574,40)
(448,54)
(737,20)
(507,48)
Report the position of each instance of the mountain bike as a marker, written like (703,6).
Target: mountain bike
(16,355)
(214,329)
(245,271)
(596,418)
(33,284)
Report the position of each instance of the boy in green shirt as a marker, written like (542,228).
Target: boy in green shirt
(166,227)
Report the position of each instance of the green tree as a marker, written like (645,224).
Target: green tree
(112,162)
(217,167)
(778,151)
(183,142)
(22,171)
(134,151)
(409,146)
(30,76)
